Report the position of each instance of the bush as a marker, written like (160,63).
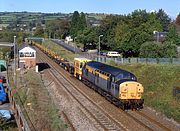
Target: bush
(151,50)
(158,50)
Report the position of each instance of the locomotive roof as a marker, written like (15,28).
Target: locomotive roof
(106,68)
(81,59)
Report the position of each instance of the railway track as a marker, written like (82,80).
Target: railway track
(100,119)
(103,120)
(147,119)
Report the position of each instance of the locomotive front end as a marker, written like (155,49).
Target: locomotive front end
(131,94)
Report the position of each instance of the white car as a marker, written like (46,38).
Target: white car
(113,54)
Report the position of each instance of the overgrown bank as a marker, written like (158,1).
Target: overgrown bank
(37,106)
(158,82)
(59,50)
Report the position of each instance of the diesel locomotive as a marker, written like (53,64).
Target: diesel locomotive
(117,85)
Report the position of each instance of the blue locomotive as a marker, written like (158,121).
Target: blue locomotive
(117,85)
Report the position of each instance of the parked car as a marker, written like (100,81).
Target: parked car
(103,53)
(113,54)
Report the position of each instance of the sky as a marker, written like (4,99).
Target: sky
(171,7)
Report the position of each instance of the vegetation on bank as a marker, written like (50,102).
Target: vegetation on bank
(8,125)
(38,108)
(8,36)
(68,55)
(158,81)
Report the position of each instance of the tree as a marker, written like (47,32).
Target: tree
(178,19)
(107,28)
(129,37)
(158,50)
(164,19)
(78,23)
(170,50)
(172,35)
(138,17)
(58,28)
(88,36)
(75,24)
(39,31)
(83,23)
(151,50)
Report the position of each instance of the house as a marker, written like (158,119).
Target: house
(27,57)
(68,39)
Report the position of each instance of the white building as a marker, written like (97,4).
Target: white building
(68,39)
(27,57)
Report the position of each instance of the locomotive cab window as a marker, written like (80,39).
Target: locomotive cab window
(97,78)
(113,79)
(81,65)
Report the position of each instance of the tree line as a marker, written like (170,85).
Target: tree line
(131,34)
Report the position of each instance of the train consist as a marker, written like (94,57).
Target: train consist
(120,87)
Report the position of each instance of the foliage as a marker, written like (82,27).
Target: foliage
(178,19)
(39,31)
(63,53)
(7,124)
(58,28)
(170,50)
(88,35)
(83,21)
(164,19)
(158,50)
(151,50)
(8,36)
(78,23)
(106,29)
(172,35)
(130,37)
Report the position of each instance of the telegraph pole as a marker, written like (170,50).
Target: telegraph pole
(15,60)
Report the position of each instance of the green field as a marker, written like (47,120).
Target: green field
(26,17)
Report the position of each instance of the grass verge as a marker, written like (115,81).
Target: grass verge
(36,104)
(59,50)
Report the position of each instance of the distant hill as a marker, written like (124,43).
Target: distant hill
(28,17)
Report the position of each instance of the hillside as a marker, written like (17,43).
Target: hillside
(28,18)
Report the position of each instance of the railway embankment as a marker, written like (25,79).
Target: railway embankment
(35,102)
(159,82)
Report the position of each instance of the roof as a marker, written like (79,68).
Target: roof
(82,59)
(27,49)
(25,45)
(106,68)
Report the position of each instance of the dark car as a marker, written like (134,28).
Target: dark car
(103,53)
